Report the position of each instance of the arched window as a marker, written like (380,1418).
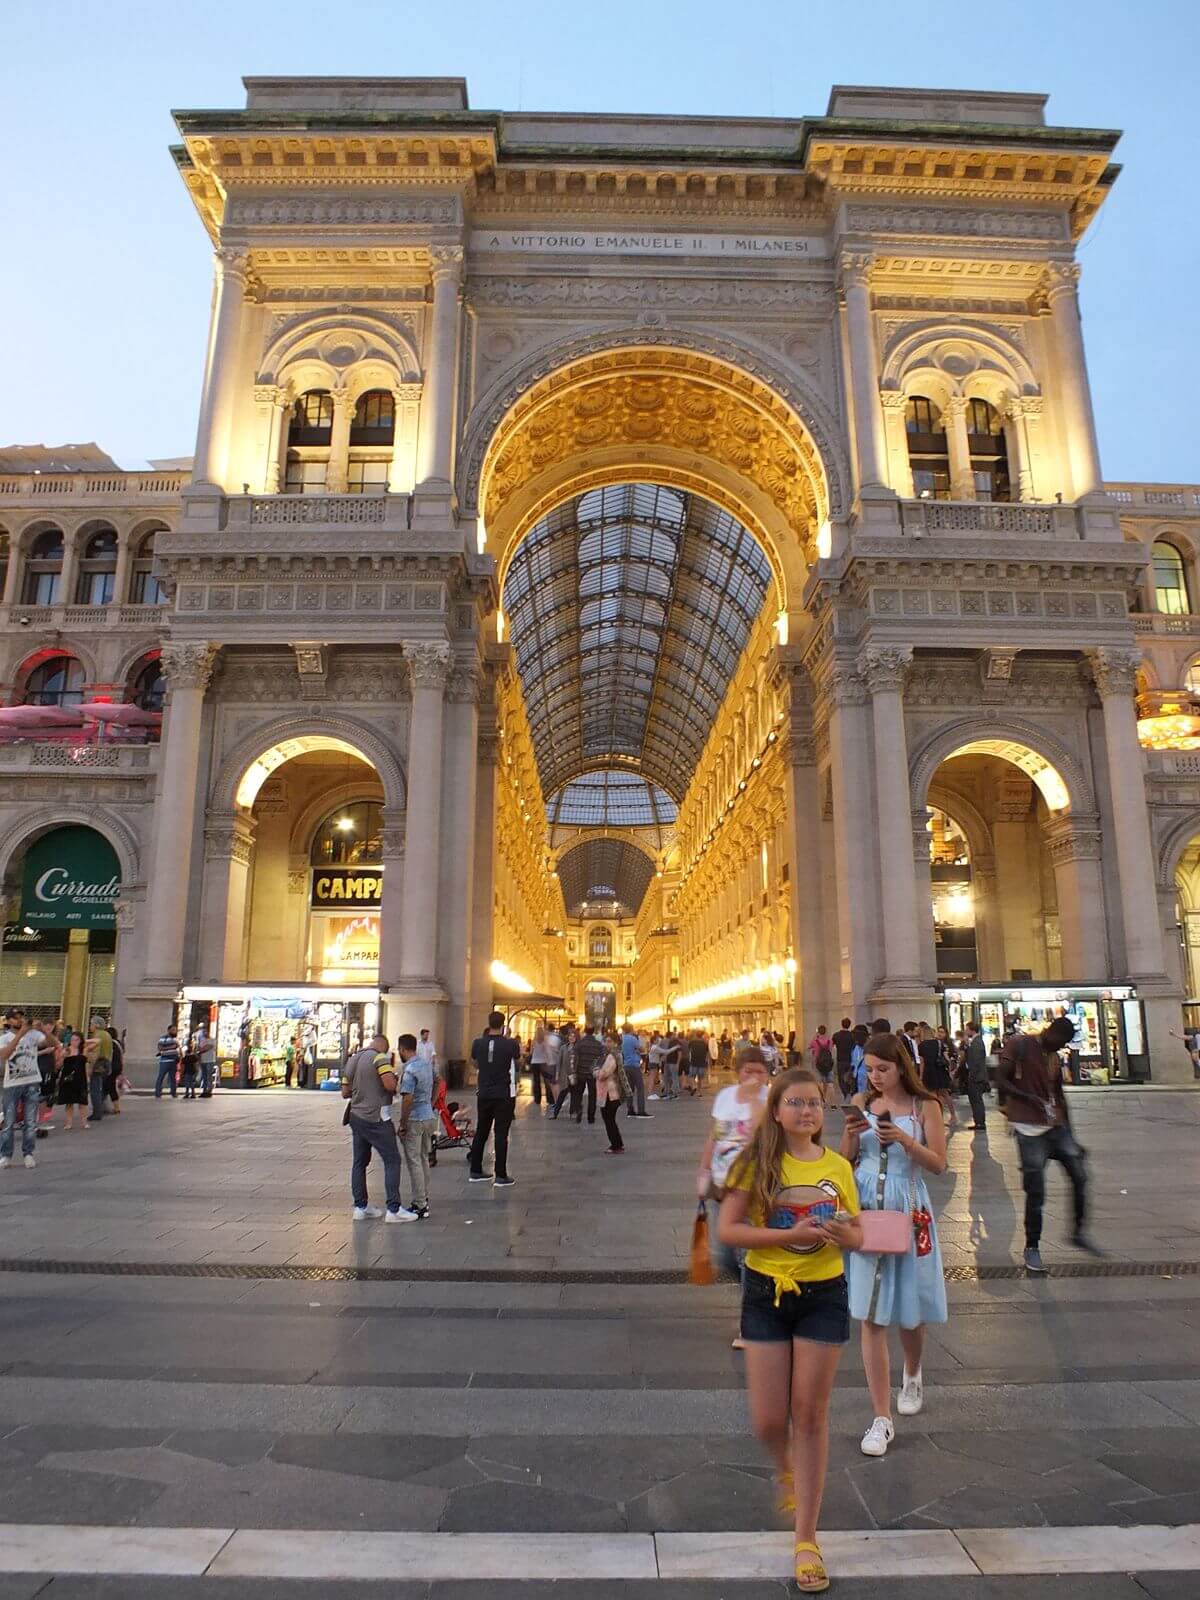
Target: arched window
(146,589)
(371,436)
(310,433)
(989,451)
(57,682)
(43,569)
(150,687)
(351,836)
(927,449)
(600,945)
(1170,581)
(97,570)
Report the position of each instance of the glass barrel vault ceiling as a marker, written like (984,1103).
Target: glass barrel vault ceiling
(628,608)
(611,799)
(605,870)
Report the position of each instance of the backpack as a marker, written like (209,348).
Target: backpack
(825,1061)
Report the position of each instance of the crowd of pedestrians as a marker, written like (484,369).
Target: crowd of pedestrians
(45,1063)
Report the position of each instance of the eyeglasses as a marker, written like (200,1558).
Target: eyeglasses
(801,1105)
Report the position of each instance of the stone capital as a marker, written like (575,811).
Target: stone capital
(1073,839)
(428,663)
(344,403)
(1024,405)
(233,264)
(854,269)
(445,261)
(1059,278)
(1114,671)
(893,400)
(845,685)
(228,836)
(188,666)
(885,667)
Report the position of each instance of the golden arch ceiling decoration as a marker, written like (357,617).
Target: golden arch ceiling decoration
(622,412)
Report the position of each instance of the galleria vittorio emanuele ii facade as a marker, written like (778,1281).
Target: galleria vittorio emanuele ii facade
(630,566)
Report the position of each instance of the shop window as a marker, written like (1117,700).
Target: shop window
(150,687)
(145,588)
(57,682)
(928,452)
(989,451)
(350,836)
(43,569)
(97,580)
(1170,581)
(374,419)
(366,477)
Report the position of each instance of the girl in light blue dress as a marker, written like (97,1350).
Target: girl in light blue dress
(894,1135)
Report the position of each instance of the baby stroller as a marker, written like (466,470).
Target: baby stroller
(456,1124)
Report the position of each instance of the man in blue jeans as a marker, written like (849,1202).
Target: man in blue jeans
(369,1083)
(168,1062)
(631,1060)
(19,1046)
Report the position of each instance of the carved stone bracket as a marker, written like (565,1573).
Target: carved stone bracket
(188,666)
(996,669)
(428,663)
(312,665)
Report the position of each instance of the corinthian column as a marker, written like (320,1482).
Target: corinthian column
(854,283)
(1075,399)
(339,443)
(1074,844)
(428,668)
(437,401)
(187,669)
(857,914)
(230,271)
(884,668)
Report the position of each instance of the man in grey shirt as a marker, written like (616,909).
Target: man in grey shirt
(369,1082)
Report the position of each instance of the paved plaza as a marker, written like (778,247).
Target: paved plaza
(522,1392)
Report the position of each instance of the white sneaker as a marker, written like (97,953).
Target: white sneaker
(402,1215)
(912,1394)
(30,1162)
(366,1213)
(5,1161)
(877,1437)
(651,1097)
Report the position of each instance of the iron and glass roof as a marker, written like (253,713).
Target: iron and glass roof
(628,608)
(610,871)
(610,799)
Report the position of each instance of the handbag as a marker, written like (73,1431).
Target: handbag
(886,1233)
(700,1268)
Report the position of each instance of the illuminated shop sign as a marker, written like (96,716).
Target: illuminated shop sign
(335,887)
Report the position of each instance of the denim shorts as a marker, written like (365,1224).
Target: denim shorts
(816,1311)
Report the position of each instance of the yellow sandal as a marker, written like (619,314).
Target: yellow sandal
(785,1493)
(811,1577)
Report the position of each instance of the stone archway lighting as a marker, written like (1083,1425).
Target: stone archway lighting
(1049,781)
(758,981)
(261,768)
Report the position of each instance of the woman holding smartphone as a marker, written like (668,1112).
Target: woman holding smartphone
(894,1136)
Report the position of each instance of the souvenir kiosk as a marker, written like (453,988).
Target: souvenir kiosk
(1110,1030)
(257,1026)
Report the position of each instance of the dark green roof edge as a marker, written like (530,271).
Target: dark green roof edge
(807,129)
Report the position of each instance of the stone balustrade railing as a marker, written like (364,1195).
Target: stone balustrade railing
(986,518)
(1160,623)
(61,617)
(1159,497)
(52,755)
(59,487)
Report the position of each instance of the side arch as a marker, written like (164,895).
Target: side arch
(334,346)
(1172,847)
(100,819)
(293,730)
(961,357)
(970,733)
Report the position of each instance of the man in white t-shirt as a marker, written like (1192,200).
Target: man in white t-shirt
(19,1046)
(426,1049)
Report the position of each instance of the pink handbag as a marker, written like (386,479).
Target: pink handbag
(886,1233)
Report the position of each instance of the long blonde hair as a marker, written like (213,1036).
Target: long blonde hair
(763,1156)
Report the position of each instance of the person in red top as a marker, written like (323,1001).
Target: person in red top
(1029,1084)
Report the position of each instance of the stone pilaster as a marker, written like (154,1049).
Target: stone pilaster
(428,668)
(1060,286)
(436,441)
(854,283)
(230,277)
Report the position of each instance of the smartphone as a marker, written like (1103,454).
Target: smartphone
(856,1117)
(883,1116)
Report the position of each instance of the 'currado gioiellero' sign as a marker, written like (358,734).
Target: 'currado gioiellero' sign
(72,880)
(335,887)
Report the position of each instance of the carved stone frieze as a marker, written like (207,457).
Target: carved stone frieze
(246,208)
(689,294)
(958,221)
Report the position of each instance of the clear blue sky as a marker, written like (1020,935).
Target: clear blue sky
(105,268)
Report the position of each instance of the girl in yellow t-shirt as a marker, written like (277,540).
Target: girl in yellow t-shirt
(792,1205)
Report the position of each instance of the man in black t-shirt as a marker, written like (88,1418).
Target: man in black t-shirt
(497,1060)
(843,1044)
